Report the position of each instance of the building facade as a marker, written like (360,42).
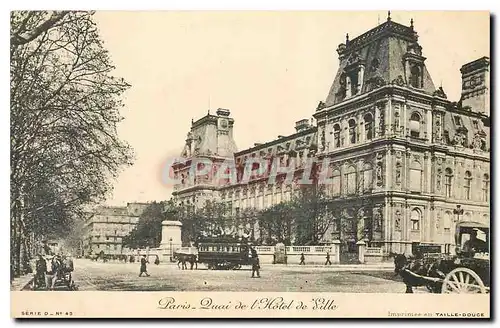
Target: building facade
(106,227)
(400,155)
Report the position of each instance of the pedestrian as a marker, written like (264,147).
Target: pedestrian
(302,259)
(255,264)
(144,269)
(40,271)
(328,259)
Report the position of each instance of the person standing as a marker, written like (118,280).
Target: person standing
(328,262)
(144,269)
(302,259)
(40,272)
(255,264)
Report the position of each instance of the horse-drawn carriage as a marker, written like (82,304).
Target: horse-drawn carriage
(224,253)
(466,272)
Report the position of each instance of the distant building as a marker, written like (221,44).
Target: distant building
(107,225)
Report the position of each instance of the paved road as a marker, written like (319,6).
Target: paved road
(165,277)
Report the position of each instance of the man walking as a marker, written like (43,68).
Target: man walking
(328,259)
(255,264)
(143,266)
(302,259)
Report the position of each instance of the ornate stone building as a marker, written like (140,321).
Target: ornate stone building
(401,156)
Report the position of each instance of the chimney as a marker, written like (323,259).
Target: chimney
(302,125)
(476,86)
(223,112)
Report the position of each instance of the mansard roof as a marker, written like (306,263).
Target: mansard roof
(382,51)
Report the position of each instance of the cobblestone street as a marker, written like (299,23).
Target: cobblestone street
(164,277)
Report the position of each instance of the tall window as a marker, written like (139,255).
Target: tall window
(336,135)
(416,215)
(415,77)
(368,126)
(467,184)
(486,187)
(351,180)
(352,131)
(367,177)
(448,179)
(415,125)
(416,177)
(336,183)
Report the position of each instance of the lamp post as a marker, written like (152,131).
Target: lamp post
(458,211)
(171,250)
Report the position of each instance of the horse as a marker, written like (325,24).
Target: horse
(413,270)
(183,258)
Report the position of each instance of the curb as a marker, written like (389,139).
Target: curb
(23,285)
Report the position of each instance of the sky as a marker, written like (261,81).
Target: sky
(270,69)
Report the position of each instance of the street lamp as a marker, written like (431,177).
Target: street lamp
(458,211)
(171,250)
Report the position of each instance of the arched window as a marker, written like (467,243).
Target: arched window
(368,126)
(336,136)
(352,131)
(415,77)
(467,184)
(416,176)
(415,217)
(448,219)
(486,187)
(415,125)
(448,179)
(336,183)
(351,180)
(367,177)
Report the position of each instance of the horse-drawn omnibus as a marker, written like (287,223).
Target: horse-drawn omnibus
(223,253)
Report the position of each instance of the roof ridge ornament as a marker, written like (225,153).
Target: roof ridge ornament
(388,15)
(411,23)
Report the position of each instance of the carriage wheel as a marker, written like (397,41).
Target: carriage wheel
(237,267)
(463,281)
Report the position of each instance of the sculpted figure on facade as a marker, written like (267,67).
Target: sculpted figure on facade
(398,173)
(397,221)
(439,177)
(380,179)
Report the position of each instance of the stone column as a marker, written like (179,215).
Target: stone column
(361,75)
(336,251)
(388,118)
(347,87)
(429,125)
(361,251)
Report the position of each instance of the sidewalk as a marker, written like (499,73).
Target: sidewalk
(337,267)
(21,282)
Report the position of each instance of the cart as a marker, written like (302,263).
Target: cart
(466,272)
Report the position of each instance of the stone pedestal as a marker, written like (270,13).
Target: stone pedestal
(336,251)
(361,251)
(170,237)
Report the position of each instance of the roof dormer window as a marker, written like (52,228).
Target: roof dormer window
(415,77)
